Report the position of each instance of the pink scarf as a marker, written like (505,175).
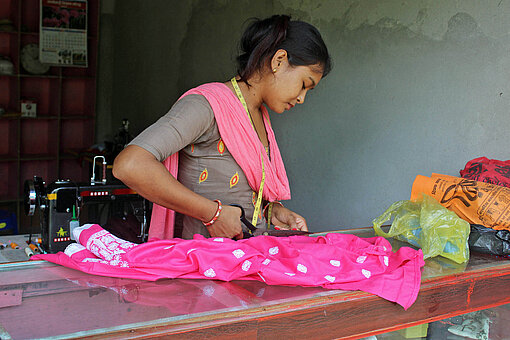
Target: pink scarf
(243,143)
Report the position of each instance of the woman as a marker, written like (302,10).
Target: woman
(217,144)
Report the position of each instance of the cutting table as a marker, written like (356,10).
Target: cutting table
(42,300)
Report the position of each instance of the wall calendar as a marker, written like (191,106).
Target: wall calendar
(63,33)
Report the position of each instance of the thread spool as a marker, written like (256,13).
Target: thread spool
(33,247)
(29,252)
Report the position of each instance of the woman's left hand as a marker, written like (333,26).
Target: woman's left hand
(284,218)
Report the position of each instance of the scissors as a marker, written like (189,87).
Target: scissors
(251,228)
(254,231)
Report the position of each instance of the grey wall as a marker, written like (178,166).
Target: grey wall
(417,87)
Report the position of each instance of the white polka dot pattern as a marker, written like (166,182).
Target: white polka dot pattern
(246,265)
(335,263)
(210,273)
(330,278)
(301,268)
(238,253)
(274,250)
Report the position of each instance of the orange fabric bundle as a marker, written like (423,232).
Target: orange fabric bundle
(476,202)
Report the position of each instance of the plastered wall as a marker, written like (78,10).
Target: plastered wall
(417,87)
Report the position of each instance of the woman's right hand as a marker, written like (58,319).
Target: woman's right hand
(142,172)
(228,223)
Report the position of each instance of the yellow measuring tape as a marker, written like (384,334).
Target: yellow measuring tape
(259,196)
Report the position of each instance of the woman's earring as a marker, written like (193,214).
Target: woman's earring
(274,70)
(299,100)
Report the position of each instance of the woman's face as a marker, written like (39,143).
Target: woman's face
(289,85)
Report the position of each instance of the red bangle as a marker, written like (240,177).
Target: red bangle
(216,215)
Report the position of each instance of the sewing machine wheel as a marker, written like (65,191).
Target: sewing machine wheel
(29,197)
(33,194)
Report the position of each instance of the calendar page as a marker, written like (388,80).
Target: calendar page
(63,33)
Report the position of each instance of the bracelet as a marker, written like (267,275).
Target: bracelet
(216,215)
(279,203)
(267,206)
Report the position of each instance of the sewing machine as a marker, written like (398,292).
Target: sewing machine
(88,202)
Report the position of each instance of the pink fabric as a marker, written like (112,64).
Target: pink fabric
(242,142)
(162,219)
(334,261)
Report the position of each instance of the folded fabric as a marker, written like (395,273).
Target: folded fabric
(334,261)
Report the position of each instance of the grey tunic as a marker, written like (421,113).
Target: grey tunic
(205,164)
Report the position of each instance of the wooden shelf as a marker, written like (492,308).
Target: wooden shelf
(39,118)
(8,159)
(26,75)
(76,117)
(37,158)
(65,98)
(13,200)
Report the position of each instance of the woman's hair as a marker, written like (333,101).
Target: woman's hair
(262,38)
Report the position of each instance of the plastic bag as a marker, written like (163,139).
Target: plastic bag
(476,202)
(428,225)
(489,241)
(487,170)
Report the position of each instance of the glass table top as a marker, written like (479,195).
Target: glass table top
(42,300)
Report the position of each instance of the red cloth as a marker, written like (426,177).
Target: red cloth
(487,170)
(334,261)
(243,144)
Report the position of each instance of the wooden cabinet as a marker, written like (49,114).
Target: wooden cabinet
(46,145)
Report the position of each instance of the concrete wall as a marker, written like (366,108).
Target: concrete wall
(417,87)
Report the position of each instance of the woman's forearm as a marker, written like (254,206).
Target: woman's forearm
(142,172)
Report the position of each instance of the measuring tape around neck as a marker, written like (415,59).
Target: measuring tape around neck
(261,189)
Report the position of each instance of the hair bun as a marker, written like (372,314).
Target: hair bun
(281,24)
